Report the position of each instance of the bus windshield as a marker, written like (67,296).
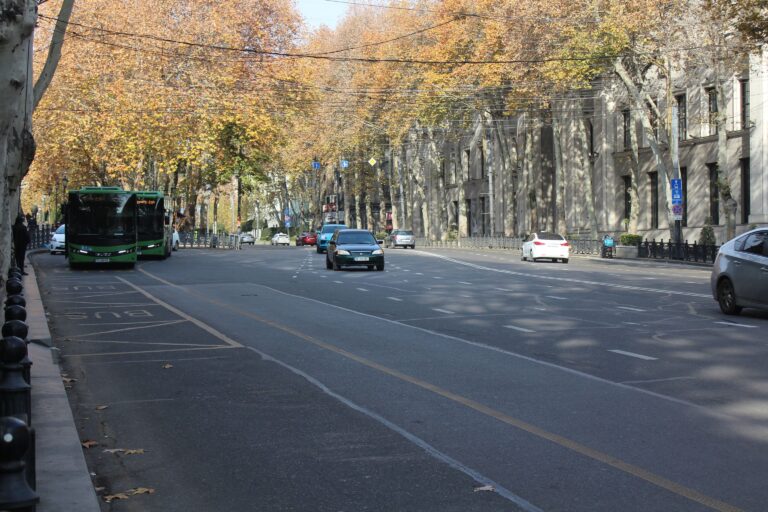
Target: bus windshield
(150,218)
(97,216)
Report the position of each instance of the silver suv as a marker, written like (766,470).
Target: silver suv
(401,238)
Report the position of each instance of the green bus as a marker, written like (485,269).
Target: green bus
(153,226)
(101,226)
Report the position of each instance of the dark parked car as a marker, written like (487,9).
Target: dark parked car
(354,247)
(740,273)
(306,238)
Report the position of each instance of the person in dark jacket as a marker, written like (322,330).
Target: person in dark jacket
(20,242)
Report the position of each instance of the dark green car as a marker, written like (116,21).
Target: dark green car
(354,247)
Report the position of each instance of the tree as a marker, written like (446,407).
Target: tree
(19,95)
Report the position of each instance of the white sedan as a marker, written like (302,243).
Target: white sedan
(280,239)
(545,245)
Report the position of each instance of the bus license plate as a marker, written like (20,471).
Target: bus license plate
(361,258)
(102,260)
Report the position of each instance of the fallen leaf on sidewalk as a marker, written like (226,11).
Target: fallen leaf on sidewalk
(167,365)
(485,488)
(109,498)
(99,489)
(88,443)
(135,451)
(101,407)
(141,490)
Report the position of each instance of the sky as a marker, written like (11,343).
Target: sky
(320,12)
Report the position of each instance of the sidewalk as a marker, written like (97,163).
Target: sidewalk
(63,480)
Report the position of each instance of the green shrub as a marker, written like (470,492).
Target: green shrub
(707,236)
(629,239)
(381,235)
(452,235)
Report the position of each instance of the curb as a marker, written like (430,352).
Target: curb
(63,480)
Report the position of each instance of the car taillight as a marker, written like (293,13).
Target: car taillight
(565,244)
(539,243)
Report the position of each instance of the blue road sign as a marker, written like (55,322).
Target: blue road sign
(287,224)
(344,164)
(677,191)
(316,165)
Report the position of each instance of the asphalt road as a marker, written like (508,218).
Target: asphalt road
(259,380)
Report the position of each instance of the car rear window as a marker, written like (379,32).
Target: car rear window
(60,230)
(355,238)
(330,228)
(404,232)
(549,236)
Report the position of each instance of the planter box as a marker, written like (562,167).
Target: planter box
(626,252)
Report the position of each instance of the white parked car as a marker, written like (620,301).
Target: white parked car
(280,239)
(740,274)
(57,240)
(545,245)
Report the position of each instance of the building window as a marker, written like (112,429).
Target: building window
(484,215)
(744,86)
(682,117)
(443,171)
(627,196)
(654,179)
(745,193)
(714,195)
(626,123)
(468,156)
(591,137)
(712,100)
(482,162)
(684,180)
(455,219)
(468,206)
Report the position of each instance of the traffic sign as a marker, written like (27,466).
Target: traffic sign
(316,165)
(344,164)
(372,161)
(677,191)
(677,212)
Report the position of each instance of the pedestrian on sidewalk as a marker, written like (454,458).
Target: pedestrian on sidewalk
(20,242)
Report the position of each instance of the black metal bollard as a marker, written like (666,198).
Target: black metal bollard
(20,330)
(15,392)
(15,313)
(16,300)
(13,286)
(15,443)
(14,270)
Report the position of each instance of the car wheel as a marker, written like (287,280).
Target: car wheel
(726,298)
(370,267)
(565,260)
(328,264)
(413,246)
(380,266)
(318,250)
(522,255)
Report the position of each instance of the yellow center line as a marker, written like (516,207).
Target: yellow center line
(534,430)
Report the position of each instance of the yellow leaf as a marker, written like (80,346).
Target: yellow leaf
(88,443)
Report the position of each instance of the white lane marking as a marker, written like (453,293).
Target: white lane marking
(632,354)
(361,289)
(339,282)
(631,323)
(324,277)
(521,329)
(466,296)
(443,311)
(566,279)
(555,297)
(464,282)
(734,324)
(406,270)
(435,277)
(629,308)
(419,274)
(491,348)
(540,309)
(395,299)
(503,289)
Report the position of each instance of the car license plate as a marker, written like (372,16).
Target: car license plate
(361,258)
(102,260)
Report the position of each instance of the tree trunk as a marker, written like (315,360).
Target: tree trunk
(634,168)
(587,166)
(727,200)
(560,220)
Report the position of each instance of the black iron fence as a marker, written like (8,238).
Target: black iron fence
(40,236)
(669,250)
(201,239)
(652,249)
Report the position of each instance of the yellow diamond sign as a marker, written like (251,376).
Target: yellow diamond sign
(372,161)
